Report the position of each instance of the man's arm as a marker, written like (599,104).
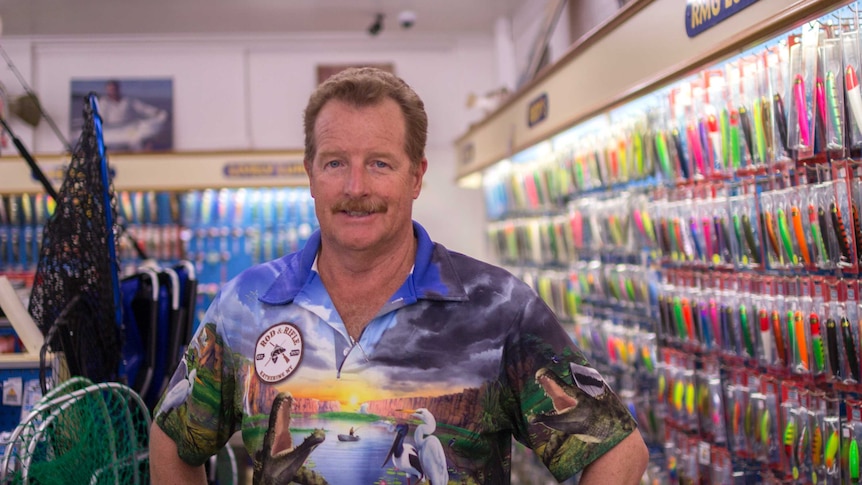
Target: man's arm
(624,464)
(166,466)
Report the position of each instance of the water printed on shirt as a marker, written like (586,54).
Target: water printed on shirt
(463,357)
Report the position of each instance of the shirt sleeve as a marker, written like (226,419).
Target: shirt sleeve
(567,414)
(197,411)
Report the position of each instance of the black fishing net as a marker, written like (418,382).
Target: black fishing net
(75,297)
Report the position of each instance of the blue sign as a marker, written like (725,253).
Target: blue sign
(537,111)
(703,14)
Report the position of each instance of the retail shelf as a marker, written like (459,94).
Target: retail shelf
(171,171)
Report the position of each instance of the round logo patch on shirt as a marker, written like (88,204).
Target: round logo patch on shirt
(278,352)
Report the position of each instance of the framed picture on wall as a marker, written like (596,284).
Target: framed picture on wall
(324,71)
(137,114)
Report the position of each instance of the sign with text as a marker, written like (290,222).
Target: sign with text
(700,15)
(537,110)
(263,169)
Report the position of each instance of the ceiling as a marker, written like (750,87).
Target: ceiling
(147,17)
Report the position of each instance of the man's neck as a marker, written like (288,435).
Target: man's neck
(360,284)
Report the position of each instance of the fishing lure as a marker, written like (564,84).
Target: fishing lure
(681,246)
(802,444)
(823,222)
(766,339)
(801,110)
(689,319)
(766,122)
(784,231)
(792,346)
(789,438)
(735,150)
(662,153)
(694,143)
(678,395)
(771,236)
(853,460)
(694,239)
(639,223)
(648,227)
(724,125)
(730,326)
(854,95)
(820,100)
(690,399)
(857,231)
(637,153)
(832,346)
(737,231)
(801,341)
(721,237)
(680,321)
(816,342)
(745,122)
(707,238)
(681,155)
(746,331)
(850,348)
(664,233)
(749,421)
(748,229)
(834,109)
(781,121)
(736,420)
(775,319)
(831,450)
(817,446)
(816,235)
(716,322)
(759,131)
(840,232)
(796,217)
(820,114)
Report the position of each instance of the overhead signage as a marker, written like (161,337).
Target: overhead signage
(701,15)
(537,110)
(263,169)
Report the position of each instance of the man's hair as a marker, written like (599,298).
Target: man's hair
(367,86)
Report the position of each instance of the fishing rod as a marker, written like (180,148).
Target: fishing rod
(49,189)
(31,162)
(35,99)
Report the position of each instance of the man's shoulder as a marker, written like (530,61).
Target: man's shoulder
(261,276)
(472,271)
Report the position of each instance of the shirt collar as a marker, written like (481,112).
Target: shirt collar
(433,277)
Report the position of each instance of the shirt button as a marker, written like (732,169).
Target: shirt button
(346,351)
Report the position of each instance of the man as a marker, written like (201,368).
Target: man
(128,123)
(375,324)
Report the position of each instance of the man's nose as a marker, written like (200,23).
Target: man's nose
(357,180)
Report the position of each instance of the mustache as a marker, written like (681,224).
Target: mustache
(370,206)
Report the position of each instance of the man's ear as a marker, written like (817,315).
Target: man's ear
(419,174)
(306,163)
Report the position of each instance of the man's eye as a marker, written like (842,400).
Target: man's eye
(380,164)
(333,163)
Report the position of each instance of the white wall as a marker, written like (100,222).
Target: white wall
(247,93)
(527,23)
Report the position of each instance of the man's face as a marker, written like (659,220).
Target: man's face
(361,178)
(112,91)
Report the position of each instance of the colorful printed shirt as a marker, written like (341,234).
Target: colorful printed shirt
(463,357)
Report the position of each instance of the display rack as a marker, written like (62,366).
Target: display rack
(692,217)
(223,211)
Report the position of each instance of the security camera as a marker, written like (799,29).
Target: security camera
(377,25)
(407,18)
